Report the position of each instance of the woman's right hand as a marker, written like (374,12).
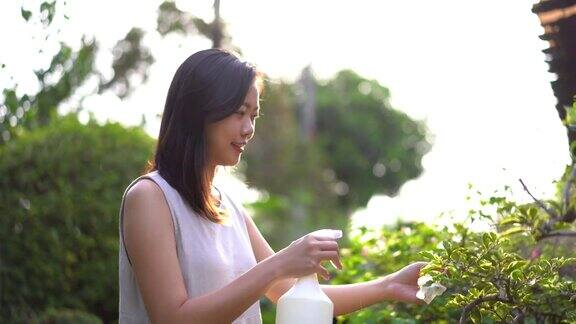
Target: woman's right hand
(304,256)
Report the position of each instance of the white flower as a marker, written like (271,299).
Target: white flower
(428,293)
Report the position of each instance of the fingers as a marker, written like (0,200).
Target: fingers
(322,272)
(327,245)
(323,238)
(408,294)
(327,234)
(332,256)
(317,248)
(329,250)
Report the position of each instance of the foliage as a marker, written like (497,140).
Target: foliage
(372,147)
(66,316)
(514,272)
(341,168)
(375,252)
(60,189)
(289,172)
(68,71)
(173,20)
(131,59)
(28,111)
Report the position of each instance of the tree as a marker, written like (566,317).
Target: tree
(289,171)
(67,72)
(171,19)
(371,147)
(69,69)
(362,146)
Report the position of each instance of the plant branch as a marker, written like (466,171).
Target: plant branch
(556,234)
(519,318)
(507,287)
(540,203)
(468,308)
(567,187)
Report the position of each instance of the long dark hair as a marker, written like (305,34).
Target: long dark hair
(209,86)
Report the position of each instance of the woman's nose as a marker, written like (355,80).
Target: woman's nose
(248,128)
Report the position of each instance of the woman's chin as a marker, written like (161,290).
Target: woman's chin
(231,162)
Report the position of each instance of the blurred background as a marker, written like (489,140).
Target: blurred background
(374,114)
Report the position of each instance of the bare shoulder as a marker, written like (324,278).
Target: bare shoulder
(143,190)
(145,195)
(149,239)
(146,212)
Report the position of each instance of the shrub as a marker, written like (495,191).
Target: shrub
(512,272)
(60,192)
(66,316)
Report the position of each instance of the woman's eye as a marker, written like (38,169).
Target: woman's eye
(241,113)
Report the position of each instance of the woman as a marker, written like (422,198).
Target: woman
(189,253)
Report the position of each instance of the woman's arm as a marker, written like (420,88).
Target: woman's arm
(149,237)
(399,286)
(262,251)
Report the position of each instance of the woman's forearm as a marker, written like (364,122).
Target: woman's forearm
(352,297)
(346,298)
(229,302)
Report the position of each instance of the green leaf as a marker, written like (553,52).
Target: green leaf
(516,275)
(486,239)
(25,13)
(515,265)
(49,9)
(493,236)
(512,230)
(509,220)
(476,316)
(447,246)
(427,255)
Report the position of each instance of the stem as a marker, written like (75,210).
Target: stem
(519,318)
(567,187)
(468,308)
(554,234)
(477,302)
(541,204)
(507,287)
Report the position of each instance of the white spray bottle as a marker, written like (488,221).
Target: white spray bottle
(305,302)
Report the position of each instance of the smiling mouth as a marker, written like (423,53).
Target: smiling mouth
(239,146)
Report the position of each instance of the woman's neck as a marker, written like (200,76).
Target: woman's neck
(214,192)
(211,171)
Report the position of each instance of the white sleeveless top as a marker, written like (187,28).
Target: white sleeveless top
(210,255)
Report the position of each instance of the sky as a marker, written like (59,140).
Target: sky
(473,71)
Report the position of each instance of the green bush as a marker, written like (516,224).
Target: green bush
(520,270)
(523,269)
(376,252)
(66,316)
(60,190)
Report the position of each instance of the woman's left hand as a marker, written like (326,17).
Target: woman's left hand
(402,285)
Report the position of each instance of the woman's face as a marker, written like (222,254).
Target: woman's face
(228,137)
